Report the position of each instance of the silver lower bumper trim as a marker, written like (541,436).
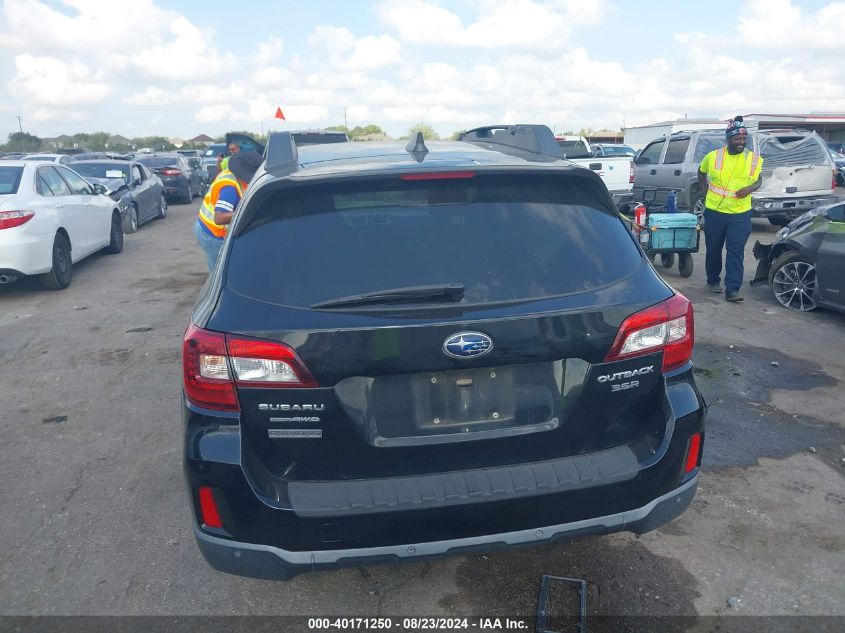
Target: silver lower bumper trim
(612,522)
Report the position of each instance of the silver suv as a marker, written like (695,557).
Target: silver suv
(797,171)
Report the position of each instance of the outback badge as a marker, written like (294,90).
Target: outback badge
(467,345)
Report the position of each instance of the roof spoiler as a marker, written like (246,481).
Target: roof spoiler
(536,139)
(281,154)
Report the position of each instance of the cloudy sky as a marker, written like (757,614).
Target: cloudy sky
(144,67)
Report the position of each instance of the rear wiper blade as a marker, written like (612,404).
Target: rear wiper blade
(453,292)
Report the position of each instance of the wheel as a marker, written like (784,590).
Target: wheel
(792,279)
(778,220)
(162,207)
(60,274)
(131,224)
(189,194)
(698,208)
(667,260)
(115,236)
(685,264)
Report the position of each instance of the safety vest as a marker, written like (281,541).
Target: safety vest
(206,213)
(722,187)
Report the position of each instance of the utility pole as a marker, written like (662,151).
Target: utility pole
(20,125)
(345,124)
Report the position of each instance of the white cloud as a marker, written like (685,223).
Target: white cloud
(779,24)
(527,24)
(48,81)
(219,113)
(339,47)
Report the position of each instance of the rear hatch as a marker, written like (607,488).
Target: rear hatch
(505,294)
(795,165)
(167,169)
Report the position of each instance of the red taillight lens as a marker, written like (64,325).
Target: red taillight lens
(631,175)
(214,364)
(170,171)
(693,453)
(668,326)
(208,508)
(205,366)
(444,175)
(267,364)
(11,219)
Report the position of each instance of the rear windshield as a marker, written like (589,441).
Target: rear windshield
(159,161)
(617,150)
(574,149)
(10,178)
(503,239)
(217,148)
(101,170)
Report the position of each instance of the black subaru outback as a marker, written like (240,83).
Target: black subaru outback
(411,351)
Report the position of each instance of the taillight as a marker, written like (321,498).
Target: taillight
(667,326)
(693,453)
(208,508)
(11,219)
(631,173)
(833,182)
(205,367)
(170,171)
(214,364)
(260,363)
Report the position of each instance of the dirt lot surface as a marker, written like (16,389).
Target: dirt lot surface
(95,511)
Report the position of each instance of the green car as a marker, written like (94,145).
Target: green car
(805,265)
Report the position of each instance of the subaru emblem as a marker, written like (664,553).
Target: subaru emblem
(467,345)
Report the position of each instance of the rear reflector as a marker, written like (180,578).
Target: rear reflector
(11,219)
(208,508)
(668,326)
(693,453)
(214,364)
(444,175)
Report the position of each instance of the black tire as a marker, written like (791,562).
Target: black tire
(792,279)
(115,235)
(778,220)
(131,224)
(667,260)
(162,207)
(685,264)
(189,194)
(62,271)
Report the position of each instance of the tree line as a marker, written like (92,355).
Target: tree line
(99,141)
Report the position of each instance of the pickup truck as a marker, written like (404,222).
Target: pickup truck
(617,172)
(798,171)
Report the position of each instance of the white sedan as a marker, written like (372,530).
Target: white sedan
(50,217)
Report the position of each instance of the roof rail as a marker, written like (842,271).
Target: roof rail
(281,154)
(537,139)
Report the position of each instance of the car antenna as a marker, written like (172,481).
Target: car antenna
(416,147)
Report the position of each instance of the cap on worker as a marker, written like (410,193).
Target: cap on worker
(735,127)
(245,164)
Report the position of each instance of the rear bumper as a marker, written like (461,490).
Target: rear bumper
(788,207)
(24,254)
(273,563)
(305,524)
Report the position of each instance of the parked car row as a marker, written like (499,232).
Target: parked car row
(50,218)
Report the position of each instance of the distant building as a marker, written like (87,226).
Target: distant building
(202,139)
(830,126)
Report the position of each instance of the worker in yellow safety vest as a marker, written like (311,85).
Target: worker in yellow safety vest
(234,148)
(220,202)
(729,176)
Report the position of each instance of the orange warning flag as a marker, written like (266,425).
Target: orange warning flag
(280,114)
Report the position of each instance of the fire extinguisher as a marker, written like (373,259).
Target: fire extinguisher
(639,216)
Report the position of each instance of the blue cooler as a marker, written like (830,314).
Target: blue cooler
(673,231)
